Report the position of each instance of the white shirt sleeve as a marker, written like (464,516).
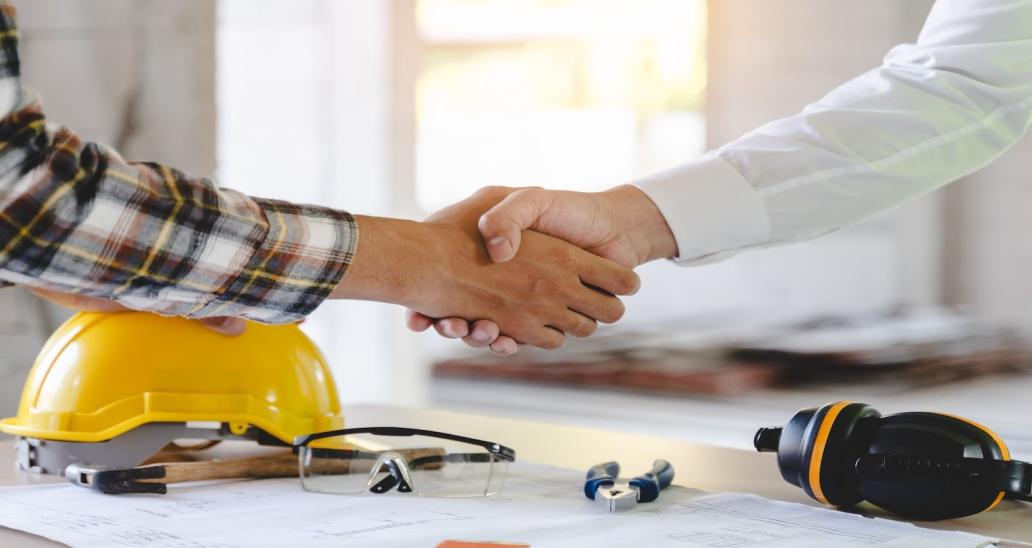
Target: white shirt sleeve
(934,112)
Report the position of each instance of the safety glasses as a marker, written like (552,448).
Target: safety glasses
(381,459)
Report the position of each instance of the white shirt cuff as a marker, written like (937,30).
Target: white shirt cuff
(711,209)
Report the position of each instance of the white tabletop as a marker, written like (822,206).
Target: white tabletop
(703,467)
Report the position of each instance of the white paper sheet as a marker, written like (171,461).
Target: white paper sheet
(542,506)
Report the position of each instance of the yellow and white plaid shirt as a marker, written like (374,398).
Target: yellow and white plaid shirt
(77,218)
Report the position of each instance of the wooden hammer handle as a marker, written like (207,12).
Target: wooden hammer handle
(283,465)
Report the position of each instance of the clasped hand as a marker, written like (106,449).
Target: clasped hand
(620,226)
(441,269)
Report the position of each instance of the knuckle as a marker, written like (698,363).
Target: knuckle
(550,288)
(520,329)
(614,310)
(553,342)
(489,190)
(566,259)
(527,193)
(530,194)
(623,283)
(563,259)
(629,283)
(586,328)
(489,220)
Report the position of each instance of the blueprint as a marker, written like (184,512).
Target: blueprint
(542,506)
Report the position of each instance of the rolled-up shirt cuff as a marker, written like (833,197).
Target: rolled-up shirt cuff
(710,208)
(303,257)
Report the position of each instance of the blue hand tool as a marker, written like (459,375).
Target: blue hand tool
(601,485)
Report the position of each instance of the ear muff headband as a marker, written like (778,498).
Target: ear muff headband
(842,453)
(820,444)
(1004,451)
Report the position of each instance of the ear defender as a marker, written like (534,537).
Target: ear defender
(924,466)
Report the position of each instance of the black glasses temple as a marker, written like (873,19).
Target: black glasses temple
(495,448)
(414,463)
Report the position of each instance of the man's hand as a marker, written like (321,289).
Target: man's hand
(439,268)
(225,325)
(621,224)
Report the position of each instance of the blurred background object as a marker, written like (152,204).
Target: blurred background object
(397,107)
(887,353)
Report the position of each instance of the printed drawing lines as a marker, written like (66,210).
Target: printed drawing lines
(543,505)
(356,526)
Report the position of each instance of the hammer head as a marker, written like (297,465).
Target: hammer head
(118,481)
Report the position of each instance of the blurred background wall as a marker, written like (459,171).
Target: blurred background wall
(398,107)
(137,75)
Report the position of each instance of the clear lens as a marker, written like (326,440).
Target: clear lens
(429,466)
(475,473)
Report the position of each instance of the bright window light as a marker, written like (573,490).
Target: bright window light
(574,94)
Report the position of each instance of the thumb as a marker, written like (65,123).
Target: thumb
(502,226)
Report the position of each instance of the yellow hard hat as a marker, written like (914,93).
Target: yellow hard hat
(104,375)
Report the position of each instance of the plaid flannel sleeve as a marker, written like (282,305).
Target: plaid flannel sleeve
(77,218)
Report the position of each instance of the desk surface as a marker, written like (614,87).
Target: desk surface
(703,467)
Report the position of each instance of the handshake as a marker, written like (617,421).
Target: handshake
(503,268)
(472,272)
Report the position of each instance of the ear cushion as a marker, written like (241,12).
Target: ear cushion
(835,437)
(818,447)
(792,459)
(922,441)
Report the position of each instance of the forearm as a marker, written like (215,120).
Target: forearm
(932,113)
(77,218)
(391,263)
(82,220)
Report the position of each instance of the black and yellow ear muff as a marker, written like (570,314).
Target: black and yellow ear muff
(920,465)
(815,446)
